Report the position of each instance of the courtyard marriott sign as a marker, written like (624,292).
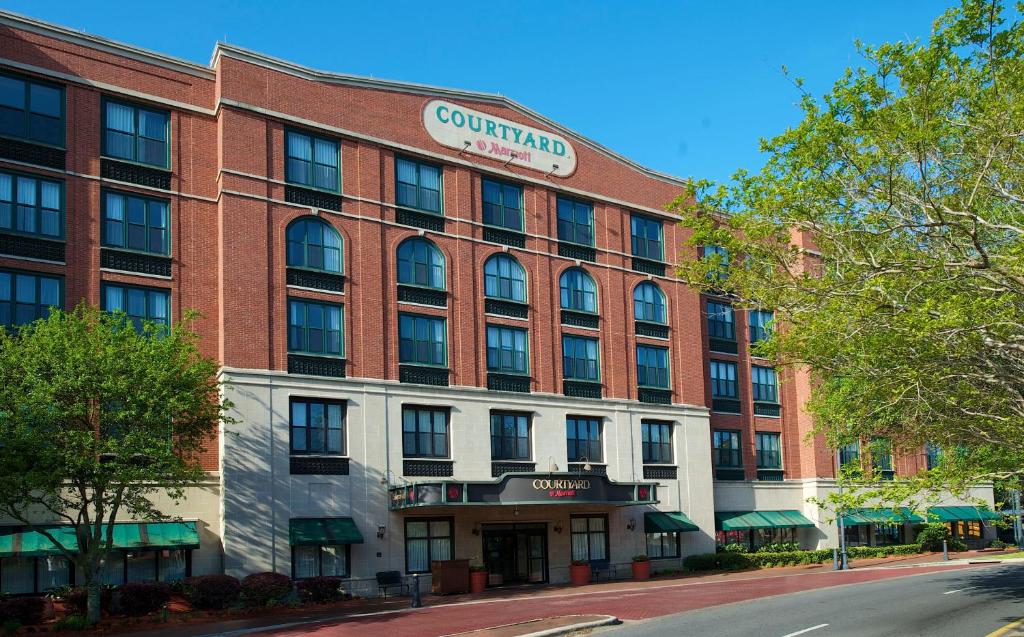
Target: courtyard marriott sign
(524,488)
(472,131)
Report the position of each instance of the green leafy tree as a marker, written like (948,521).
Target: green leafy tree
(886,231)
(95,419)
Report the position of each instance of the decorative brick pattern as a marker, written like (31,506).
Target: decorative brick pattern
(316,280)
(499,469)
(578,389)
(506,237)
(312,198)
(30,153)
(420,375)
(659,472)
(428,468)
(580,319)
(317,466)
(423,296)
(654,330)
(656,396)
(508,382)
(506,308)
(423,220)
(31,247)
(135,262)
(135,174)
(647,266)
(316,365)
(576,251)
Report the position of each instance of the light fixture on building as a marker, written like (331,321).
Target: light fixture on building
(554,167)
(552,467)
(558,527)
(631,524)
(586,463)
(380,531)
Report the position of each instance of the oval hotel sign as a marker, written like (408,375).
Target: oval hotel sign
(469,130)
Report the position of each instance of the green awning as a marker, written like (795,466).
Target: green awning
(961,514)
(746,520)
(858,517)
(127,535)
(668,522)
(324,531)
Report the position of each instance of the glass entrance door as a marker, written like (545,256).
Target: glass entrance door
(516,552)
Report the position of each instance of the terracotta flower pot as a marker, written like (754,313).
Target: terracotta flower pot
(579,574)
(642,570)
(477,581)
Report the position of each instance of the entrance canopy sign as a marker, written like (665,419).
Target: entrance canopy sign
(525,488)
(472,131)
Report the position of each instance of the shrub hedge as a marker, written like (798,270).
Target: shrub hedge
(319,589)
(265,589)
(732,561)
(25,611)
(77,598)
(142,598)
(211,592)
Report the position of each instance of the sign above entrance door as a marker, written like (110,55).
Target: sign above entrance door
(472,131)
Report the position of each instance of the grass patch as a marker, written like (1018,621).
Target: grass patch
(1009,556)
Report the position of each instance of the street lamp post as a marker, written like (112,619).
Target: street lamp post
(839,516)
(1018,531)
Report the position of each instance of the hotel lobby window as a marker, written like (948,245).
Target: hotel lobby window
(426,541)
(328,560)
(589,535)
(510,436)
(661,545)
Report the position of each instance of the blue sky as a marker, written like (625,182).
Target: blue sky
(687,88)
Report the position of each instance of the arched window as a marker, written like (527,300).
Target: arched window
(648,303)
(421,263)
(579,292)
(504,278)
(314,244)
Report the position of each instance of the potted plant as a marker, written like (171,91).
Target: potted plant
(477,578)
(579,573)
(641,568)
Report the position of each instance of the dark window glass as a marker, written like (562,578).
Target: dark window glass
(507,350)
(575,222)
(583,438)
(427,540)
(933,455)
(580,358)
(503,205)
(420,262)
(661,545)
(760,325)
(652,366)
(136,223)
(881,454)
(29,205)
(136,133)
(26,297)
(504,278)
(656,442)
(589,537)
(418,185)
(314,244)
(315,328)
(723,380)
(326,560)
(719,258)
(721,322)
(424,432)
(140,304)
(422,340)
(318,426)
(764,384)
(849,453)
(312,161)
(646,238)
(510,436)
(648,303)
(578,291)
(769,451)
(31,110)
(725,449)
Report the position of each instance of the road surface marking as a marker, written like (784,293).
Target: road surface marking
(1007,628)
(805,630)
(966,588)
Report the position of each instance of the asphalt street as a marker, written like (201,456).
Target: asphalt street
(961,603)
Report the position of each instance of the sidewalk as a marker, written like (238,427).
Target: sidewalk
(625,599)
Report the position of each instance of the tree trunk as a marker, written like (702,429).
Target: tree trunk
(94,611)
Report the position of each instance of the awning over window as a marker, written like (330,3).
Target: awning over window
(746,520)
(961,514)
(857,517)
(668,522)
(321,531)
(127,535)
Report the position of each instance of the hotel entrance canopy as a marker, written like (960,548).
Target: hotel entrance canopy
(522,489)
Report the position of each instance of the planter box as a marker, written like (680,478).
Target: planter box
(642,571)
(579,575)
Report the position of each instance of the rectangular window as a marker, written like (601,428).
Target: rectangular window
(647,238)
(933,455)
(575,221)
(652,366)
(760,325)
(315,328)
(312,161)
(510,436)
(328,560)
(721,323)
(849,454)
(427,540)
(418,185)
(583,438)
(26,297)
(580,359)
(422,340)
(661,545)
(881,454)
(764,384)
(503,205)
(318,426)
(723,380)
(140,304)
(33,206)
(769,452)
(726,449)
(424,432)
(656,442)
(507,350)
(722,261)
(589,537)
(31,110)
(137,223)
(136,133)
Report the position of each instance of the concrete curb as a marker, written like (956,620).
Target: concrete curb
(606,620)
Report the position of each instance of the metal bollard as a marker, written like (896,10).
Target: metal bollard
(835,559)
(945,551)
(844,563)
(416,603)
